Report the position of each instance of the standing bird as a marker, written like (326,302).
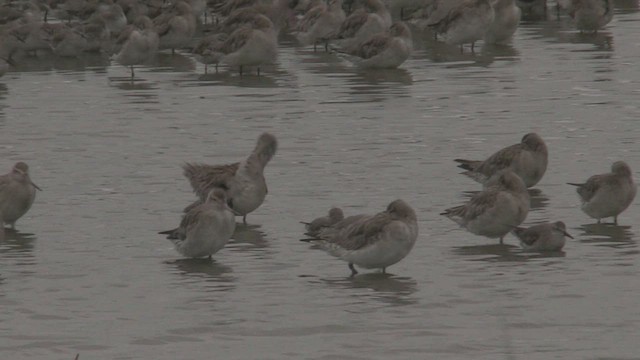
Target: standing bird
(505,22)
(372,241)
(386,50)
(139,44)
(528,159)
(463,22)
(591,15)
(243,183)
(207,51)
(176,29)
(253,44)
(314,227)
(321,24)
(205,229)
(608,195)
(363,23)
(503,204)
(17,193)
(542,237)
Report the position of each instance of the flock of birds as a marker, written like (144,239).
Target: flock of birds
(244,33)
(368,241)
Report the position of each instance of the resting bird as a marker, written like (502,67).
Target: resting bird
(372,241)
(503,204)
(542,237)
(205,229)
(314,227)
(528,159)
(608,195)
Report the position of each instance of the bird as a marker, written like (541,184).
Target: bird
(321,24)
(493,212)
(207,50)
(386,50)
(313,228)
(176,29)
(138,44)
(542,237)
(253,44)
(205,229)
(17,193)
(243,182)
(608,195)
(591,15)
(528,159)
(362,24)
(462,22)
(372,241)
(505,22)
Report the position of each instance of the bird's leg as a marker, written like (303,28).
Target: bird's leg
(244,219)
(473,44)
(132,74)
(384,270)
(240,70)
(461,49)
(205,69)
(615,220)
(501,239)
(210,256)
(326,46)
(258,70)
(314,46)
(353,270)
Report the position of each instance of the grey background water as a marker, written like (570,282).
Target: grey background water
(88,274)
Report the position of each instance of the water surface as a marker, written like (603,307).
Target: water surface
(86,273)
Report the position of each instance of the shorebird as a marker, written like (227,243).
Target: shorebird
(505,22)
(362,24)
(608,195)
(321,24)
(528,159)
(176,29)
(385,50)
(254,44)
(542,237)
(17,193)
(461,22)
(207,51)
(138,44)
(493,212)
(591,15)
(243,182)
(372,241)
(314,227)
(205,229)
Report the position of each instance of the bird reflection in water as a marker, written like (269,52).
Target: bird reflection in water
(611,235)
(389,288)
(16,244)
(210,270)
(248,236)
(502,253)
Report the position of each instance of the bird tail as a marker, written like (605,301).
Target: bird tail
(468,164)
(575,184)
(171,234)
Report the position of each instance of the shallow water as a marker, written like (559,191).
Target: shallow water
(87,273)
